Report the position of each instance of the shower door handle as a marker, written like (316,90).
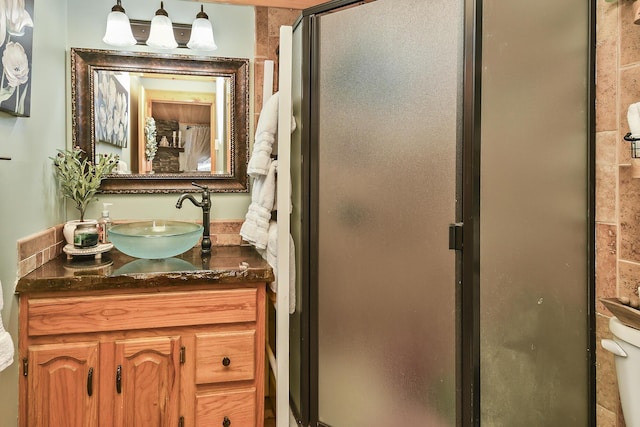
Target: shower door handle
(455,236)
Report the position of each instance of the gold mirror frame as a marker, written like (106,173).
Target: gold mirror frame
(83,64)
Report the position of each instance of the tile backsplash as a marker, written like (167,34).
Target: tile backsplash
(38,248)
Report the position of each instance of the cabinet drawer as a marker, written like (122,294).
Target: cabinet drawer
(237,406)
(47,316)
(225,356)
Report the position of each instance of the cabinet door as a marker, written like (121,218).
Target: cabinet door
(63,385)
(147,382)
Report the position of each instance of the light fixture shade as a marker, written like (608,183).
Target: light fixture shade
(161,33)
(118,32)
(202,33)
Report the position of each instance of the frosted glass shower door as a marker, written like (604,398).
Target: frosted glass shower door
(388,88)
(534,224)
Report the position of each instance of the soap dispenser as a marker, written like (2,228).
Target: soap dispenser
(104,224)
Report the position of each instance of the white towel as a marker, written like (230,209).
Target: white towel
(261,155)
(271,255)
(258,229)
(633,118)
(6,345)
(255,228)
(265,137)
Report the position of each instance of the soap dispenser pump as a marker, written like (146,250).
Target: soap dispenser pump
(104,224)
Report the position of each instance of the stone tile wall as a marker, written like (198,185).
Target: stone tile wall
(617,194)
(37,249)
(268,23)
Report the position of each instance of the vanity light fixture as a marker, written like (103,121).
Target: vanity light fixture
(118,31)
(202,33)
(161,32)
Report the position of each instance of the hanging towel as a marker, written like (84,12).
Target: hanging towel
(255,228)
(265,138)
(258,229)
(271,255)
(6,345)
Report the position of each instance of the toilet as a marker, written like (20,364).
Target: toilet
(626,348)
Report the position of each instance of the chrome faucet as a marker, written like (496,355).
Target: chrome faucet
(205,204)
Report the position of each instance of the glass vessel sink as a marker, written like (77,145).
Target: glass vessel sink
(155,239)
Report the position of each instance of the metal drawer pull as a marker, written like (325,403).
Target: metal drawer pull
(119,379)
(226,361)
(90,382)
(226,422)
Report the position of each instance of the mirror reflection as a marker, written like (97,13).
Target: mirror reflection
(171,119)
(191,116)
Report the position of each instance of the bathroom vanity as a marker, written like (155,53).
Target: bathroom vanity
(125,341)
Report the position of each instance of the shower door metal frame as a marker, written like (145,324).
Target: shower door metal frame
(468,297)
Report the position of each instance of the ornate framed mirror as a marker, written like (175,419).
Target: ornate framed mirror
(200,111)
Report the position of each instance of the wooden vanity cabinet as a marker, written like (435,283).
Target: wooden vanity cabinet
(179,358)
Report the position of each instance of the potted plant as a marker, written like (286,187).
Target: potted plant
(79,179)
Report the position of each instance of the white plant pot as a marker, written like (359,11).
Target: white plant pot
(70,227)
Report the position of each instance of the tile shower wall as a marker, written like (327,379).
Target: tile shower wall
(617,194)
(268,23)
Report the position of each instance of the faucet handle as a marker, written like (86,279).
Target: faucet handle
(202,186)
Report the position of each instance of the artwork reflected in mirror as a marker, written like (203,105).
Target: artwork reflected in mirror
(111,109)
(198,107)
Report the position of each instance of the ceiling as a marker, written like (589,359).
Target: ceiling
(288,4)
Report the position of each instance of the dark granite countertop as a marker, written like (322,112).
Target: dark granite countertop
(115,270)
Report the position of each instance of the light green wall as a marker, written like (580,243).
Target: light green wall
(28,198)
(29,202)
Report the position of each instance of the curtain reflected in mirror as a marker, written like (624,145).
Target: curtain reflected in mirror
(191,116)
(198,154)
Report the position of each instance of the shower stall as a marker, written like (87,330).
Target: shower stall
(442,177)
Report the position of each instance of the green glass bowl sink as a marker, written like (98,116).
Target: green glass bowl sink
(155,239)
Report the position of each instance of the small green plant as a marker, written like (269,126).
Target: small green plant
(78,178)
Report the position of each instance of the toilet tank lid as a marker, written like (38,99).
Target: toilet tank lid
(624,332)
